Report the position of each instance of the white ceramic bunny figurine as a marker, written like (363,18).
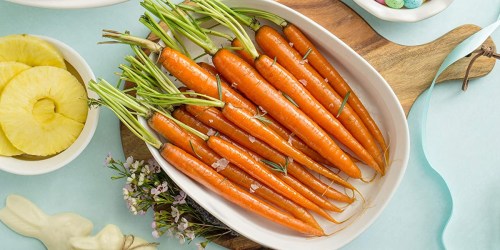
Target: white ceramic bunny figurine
(25,218)
(110,238)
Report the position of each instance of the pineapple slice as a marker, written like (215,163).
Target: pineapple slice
(43,110)
(7,71)
(30,50)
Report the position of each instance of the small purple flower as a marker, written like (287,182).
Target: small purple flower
(183,225)
(181,237)
(128,162)
(108,160)
(153,225)
(141,179)
(190,234)
(175,213)
(160,189)
(135,166)
(154,167)
(156,234)
(180,199)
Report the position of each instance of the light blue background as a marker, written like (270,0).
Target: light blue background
(463,134)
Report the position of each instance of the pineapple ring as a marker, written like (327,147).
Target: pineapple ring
(30,50)
(43,110)
(9,70)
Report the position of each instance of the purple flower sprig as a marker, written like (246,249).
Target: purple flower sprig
(175,214)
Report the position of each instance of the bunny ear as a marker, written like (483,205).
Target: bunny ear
(22,216)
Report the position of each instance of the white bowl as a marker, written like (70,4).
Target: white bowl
(428,9)
(67,4)
(385,109)
(35,167)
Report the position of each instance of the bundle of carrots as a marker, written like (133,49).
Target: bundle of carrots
(258,141)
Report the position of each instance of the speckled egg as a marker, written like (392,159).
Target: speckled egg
(412,4)
(395,4)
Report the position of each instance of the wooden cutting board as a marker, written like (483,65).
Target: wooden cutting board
(409,70)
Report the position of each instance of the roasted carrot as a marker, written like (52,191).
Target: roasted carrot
(257,89)
(288,84)
(209,178)
(213,118)
(201,81)
(274,45)
(217,121)
(254,127)
(262,173)
(197,147)
(302,44)
(292,182)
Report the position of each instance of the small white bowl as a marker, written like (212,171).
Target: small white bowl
(35,167)
(67,4)
(428,9)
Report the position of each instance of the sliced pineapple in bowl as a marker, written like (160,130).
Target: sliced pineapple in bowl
(43,110)
(30,50)
(9,70)
(49,112)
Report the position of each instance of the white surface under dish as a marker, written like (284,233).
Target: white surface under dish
(428,9)
(67,4)
(381,102)
(22,166)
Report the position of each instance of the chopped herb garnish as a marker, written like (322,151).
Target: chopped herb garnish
(194,151)
(274,62)
(307,54)
(219,86)
(277,167)
(344,102)
(290,99)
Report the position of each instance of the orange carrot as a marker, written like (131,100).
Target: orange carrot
(260,172)
(274,45)
(197,147)
(288,84)
(243,53)
(209,178)
(302,44)
(257,89)
(214,118)
(292,182)
(201,81)
(254,127)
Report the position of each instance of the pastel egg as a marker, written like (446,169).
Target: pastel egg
(395,4)
(412,4)
(381,2)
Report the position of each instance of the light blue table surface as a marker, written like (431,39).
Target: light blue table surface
(463,136)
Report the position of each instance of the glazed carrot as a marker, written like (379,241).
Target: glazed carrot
(262,173)
(242,53)
(288,84)
(257,89)
(254,127)
(217,121)
(302,44)
(292,182)
(211,69)
(209,178)
(213,118)
(201,81)
(274,45)
(197,147)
